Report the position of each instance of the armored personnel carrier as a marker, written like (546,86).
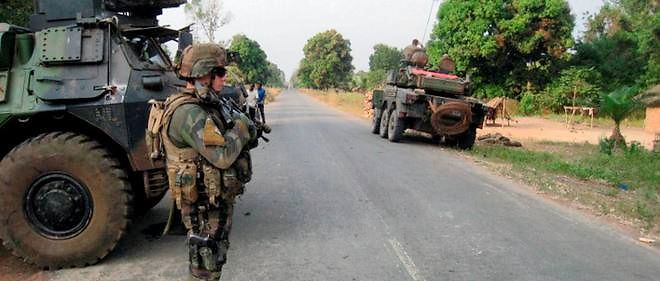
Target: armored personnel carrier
(434,102)
(74,92)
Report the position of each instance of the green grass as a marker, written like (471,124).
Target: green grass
(636,169)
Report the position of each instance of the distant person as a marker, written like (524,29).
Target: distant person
(261,98)
(251,102)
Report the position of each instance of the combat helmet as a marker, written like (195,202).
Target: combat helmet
(199,59)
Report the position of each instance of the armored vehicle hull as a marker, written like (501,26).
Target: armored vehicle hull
(74,92)
(434,103)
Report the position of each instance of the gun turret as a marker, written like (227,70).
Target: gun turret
(133,13)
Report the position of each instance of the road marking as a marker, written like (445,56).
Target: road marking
(405,260)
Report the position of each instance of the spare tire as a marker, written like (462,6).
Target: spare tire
(451,118)
(65,200)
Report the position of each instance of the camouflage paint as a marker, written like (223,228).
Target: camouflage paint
(411,95)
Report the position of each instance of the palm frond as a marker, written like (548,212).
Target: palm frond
(620,103)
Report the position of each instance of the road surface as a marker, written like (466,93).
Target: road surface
(330,201)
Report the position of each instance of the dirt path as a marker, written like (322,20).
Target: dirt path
(538,129)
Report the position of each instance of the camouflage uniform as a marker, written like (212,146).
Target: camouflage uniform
(207,163)
(415,55)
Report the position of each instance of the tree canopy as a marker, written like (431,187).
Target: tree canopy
(385,58)
(276,77)
(504,44)
(327,62)
(254,64)
(16,12)
(622,43)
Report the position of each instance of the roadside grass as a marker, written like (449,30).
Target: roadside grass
(622,184)
(350,102)
(634,122)
(272,94)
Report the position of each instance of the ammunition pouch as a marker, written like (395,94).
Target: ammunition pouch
(243,167)
(213,183)
(233,186)
(183,183)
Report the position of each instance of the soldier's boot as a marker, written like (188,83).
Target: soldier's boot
(207,257)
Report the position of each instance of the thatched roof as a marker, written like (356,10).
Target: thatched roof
(651,98)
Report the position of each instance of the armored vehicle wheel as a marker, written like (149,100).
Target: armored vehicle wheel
(437,139)
(384,119)
(465,140)
(65,200)
(395,127)
(375,121)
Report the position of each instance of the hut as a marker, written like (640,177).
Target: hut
(652,123)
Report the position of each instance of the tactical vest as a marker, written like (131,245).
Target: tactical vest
(185,166)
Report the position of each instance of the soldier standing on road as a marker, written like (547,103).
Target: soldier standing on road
(261,99)
(207,163)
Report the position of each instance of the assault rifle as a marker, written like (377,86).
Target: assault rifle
(226,106)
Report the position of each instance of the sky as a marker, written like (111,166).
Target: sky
(282,27)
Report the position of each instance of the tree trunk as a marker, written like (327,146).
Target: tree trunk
(617,138)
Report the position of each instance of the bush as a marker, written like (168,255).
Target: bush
(528,103)
(489,91)
(606,146)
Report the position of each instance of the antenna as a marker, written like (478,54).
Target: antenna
(428,20)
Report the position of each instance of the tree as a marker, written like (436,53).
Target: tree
(575,86)
(504,43)
(363,81)
(618,105)
(622,43)
(208,14)
(254,63)
(16,12)
(385,58)
(327,62)
(276,77)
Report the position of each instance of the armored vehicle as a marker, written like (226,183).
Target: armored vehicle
(436,103)
(74,92)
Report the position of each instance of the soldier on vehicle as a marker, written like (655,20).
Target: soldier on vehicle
(208,164)
(411,49)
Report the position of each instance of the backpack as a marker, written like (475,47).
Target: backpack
(160,115)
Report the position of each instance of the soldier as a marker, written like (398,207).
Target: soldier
(411,49)
(207,161)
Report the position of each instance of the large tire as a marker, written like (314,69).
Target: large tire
(395,127)
(384,120)
(375,121)
(465,140)
(65,201)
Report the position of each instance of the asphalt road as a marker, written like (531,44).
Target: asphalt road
(330,201)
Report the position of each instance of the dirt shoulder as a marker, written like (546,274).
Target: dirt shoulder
(534,129)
